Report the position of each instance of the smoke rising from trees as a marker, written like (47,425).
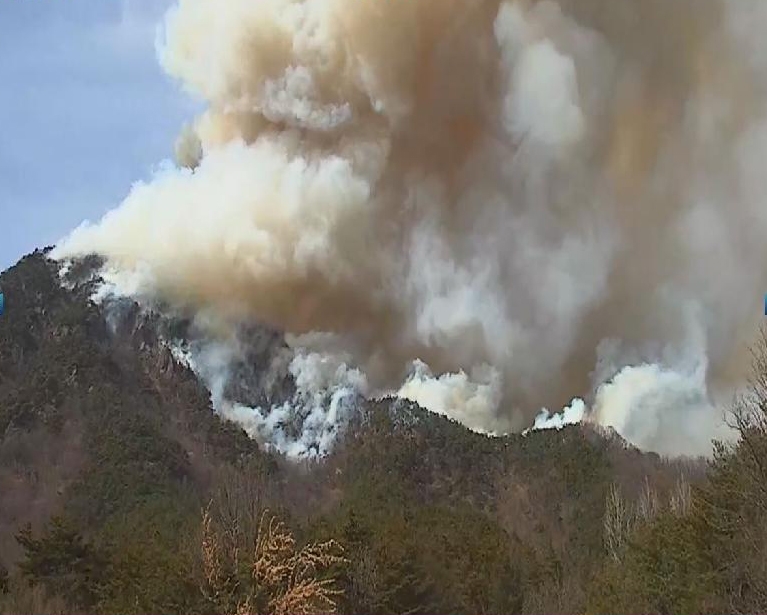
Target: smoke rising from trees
(490,207)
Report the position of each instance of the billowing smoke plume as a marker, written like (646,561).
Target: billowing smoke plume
(502,205)
(304,424)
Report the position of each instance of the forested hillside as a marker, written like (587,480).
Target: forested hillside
(121,491)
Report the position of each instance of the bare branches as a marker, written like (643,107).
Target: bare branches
(622,516)
(617,522)
(220,564)
(279,579)
(648,506)
(681,497)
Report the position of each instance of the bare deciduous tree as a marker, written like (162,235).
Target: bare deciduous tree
(278,579)
(681,497)
(617,522)
(649,505)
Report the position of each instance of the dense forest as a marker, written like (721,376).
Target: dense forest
(121,491)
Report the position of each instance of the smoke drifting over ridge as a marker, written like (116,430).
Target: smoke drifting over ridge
(502,205)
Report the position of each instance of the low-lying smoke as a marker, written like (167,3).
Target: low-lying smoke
(470,197)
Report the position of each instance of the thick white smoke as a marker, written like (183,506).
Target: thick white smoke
(571,415)
(490,189)
(304,425)
(474,400)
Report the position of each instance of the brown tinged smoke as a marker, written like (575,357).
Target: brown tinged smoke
(532,198)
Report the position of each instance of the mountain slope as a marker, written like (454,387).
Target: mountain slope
(101,424)
(91,420)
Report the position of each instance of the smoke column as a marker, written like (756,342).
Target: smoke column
(490,207)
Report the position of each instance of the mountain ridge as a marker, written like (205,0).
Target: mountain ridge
(102,423)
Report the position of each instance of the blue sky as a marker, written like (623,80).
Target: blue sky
(85,111)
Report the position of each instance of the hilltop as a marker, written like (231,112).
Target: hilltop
(110,449)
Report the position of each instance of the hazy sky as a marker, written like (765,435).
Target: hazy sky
(84,112)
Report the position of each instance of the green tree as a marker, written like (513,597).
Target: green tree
(663,571)
(151,561)
(62,562)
